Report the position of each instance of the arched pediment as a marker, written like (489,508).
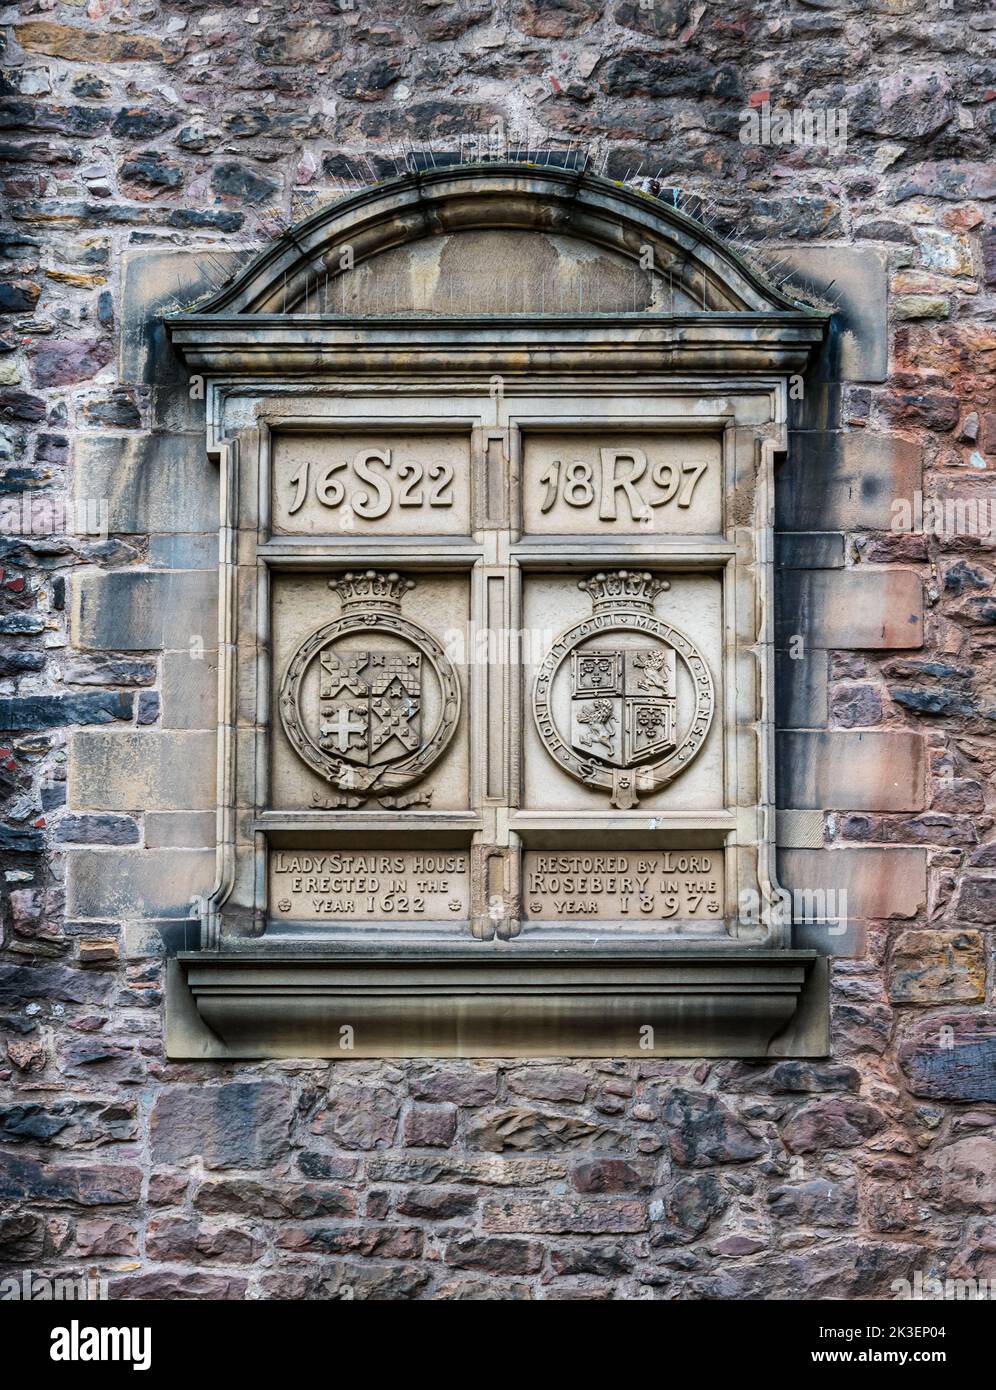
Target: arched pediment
(510,268)
(498,238)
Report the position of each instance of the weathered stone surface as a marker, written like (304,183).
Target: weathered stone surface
(800,829)
(61,364)
(379,1242)
(154,283)
(494,1253)
(816,1202)
(549,1085)
(937,967)
(702,1131)
(469,1084)
(584,1218)
(965,1174)
(951,1057)
(855,279)
(522,1130)
(133,771)
(437,1204)
(486,1171)
(359,1117)
(180,829)
(98,830)
(21,984)
(173,1285)
(836,1123)
(99,1185)
(809,550)
(691,1206)
(243,1124)
(179,1238)
(856,706)
(977,899)
(801,699)
(612,1175)
(148,882)
(606,1261)
(157,482)
(878,882)
(87,45)
(55,711)
(69,1124)
(841,770)
(190,690)
(851,608)
(430,1126)
(274,1201)
(173,610)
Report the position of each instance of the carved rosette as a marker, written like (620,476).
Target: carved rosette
(622,725)
(363,729)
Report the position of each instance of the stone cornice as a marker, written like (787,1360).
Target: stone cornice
(494,1002)
(283,345)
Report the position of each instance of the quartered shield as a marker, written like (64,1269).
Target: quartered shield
(370,705)
(623,703)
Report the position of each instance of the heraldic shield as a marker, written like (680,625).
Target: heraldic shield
(370,704)
(623,703)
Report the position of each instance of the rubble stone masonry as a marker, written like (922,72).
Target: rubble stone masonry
(148,150)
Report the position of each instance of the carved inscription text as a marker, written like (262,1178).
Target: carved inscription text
(397,885)
(614,887)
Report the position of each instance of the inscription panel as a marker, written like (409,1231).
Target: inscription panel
(640,886)
(622,483)
(369,886)
(379,483)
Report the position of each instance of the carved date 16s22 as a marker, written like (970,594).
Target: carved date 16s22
(372,482)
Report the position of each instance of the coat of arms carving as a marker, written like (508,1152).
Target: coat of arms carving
(363,724)
(620,723)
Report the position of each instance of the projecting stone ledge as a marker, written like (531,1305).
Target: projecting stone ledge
(497,1002)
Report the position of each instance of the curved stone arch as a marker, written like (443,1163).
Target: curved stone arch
(476,197)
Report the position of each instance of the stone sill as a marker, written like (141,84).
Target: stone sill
(469,1003)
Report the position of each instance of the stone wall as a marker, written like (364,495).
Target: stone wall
(148,151)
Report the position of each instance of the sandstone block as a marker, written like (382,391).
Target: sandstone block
(844,770)
(172,610)
(856,608)
(152,482)
(150,770)
(148,882)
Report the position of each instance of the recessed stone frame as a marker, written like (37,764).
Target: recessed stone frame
(289,389)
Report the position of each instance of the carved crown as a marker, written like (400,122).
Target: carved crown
(630,589)
(371,586)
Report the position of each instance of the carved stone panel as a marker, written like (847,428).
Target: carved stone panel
(652,887)
(622,483)
(371,482)
(496,768)
(413,886)
(368,698)
(623,692)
